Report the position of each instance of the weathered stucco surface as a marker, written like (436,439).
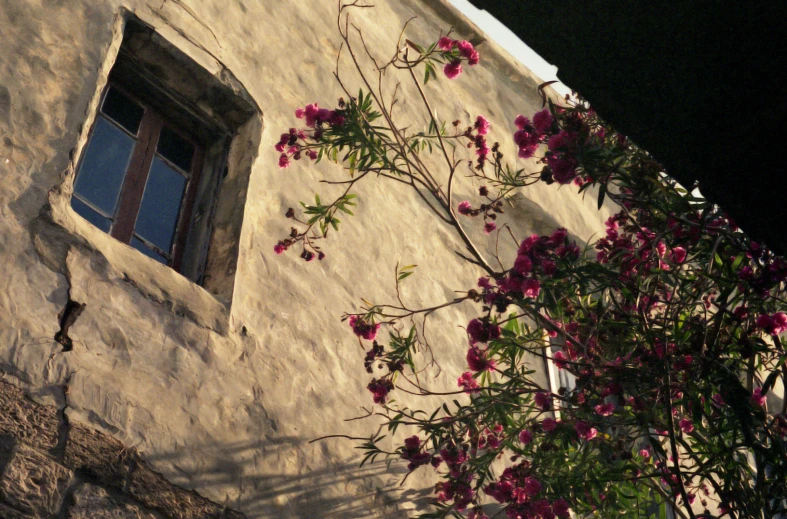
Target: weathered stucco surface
(224,399)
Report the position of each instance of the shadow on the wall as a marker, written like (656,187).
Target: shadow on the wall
(364,492)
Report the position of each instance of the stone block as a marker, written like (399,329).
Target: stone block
(97,455)
(33,483)
(31,423)
(152,490)
(92,502)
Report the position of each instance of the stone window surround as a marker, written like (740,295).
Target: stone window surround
(228,105)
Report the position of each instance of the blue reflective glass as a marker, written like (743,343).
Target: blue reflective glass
(158,213)
(90,215)
(104,166)
(147,251)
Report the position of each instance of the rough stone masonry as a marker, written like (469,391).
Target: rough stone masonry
(175,399)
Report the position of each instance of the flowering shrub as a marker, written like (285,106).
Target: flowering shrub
(669,323)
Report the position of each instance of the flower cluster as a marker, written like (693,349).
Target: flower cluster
(530,134)
(455,52)
(363,329)
(295,142)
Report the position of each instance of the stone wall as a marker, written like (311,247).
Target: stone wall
(52,468)
(225,397)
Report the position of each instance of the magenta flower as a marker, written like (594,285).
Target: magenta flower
(312,154)
(559,236)
(284,161)
(718,400)
(773,324)
(363,329)
(531,287)
(685,425)
(445,43)
(678,255)
(585,431)
(466,48)
(482,125)
(605,409)
(559,358)
(542,121)
(280,247)
(548,424)
(645,453)
(525,437)
(465,208)
(453,69)
(523,264)
(560,508)
(468,383)
(477,361)
(522,122)
(757,398)
(480,331)
(543,400)
(380,389)
(532,486)
(489,227)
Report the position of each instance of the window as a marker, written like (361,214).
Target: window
(168,157)
(138,178)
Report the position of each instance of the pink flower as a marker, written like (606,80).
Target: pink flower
(542,121)
(477,361)
(525,437)
(465,208)
(757,398)
(445,43)
(678,255)
(453,69)
(465,48)
(312,154)
(482,125)
(280,247)
(284,161)
(531,287)
(605,409)
(299,113)
(559,236)
(489,227)
(474,58)
(480,331)
(523,264)
(380,389)
(559,358)
(585,431)
(543,400)
(560,508)
(563,170)
(522,122)
(532,486)
(773,324)
(468,383)
(645,453)
(685,425)
(548,424)
(363,329)
(718,400)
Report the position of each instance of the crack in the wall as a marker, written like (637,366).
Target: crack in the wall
(68,317)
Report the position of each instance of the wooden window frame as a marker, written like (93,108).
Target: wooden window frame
(136,175)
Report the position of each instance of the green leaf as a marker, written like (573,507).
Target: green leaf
(602,192)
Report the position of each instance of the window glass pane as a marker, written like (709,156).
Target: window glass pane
(104,166)
(158,213)
(147,251)
(175,149)
(123,110)
(90,215)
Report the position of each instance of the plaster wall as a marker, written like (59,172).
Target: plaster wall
(223,397)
